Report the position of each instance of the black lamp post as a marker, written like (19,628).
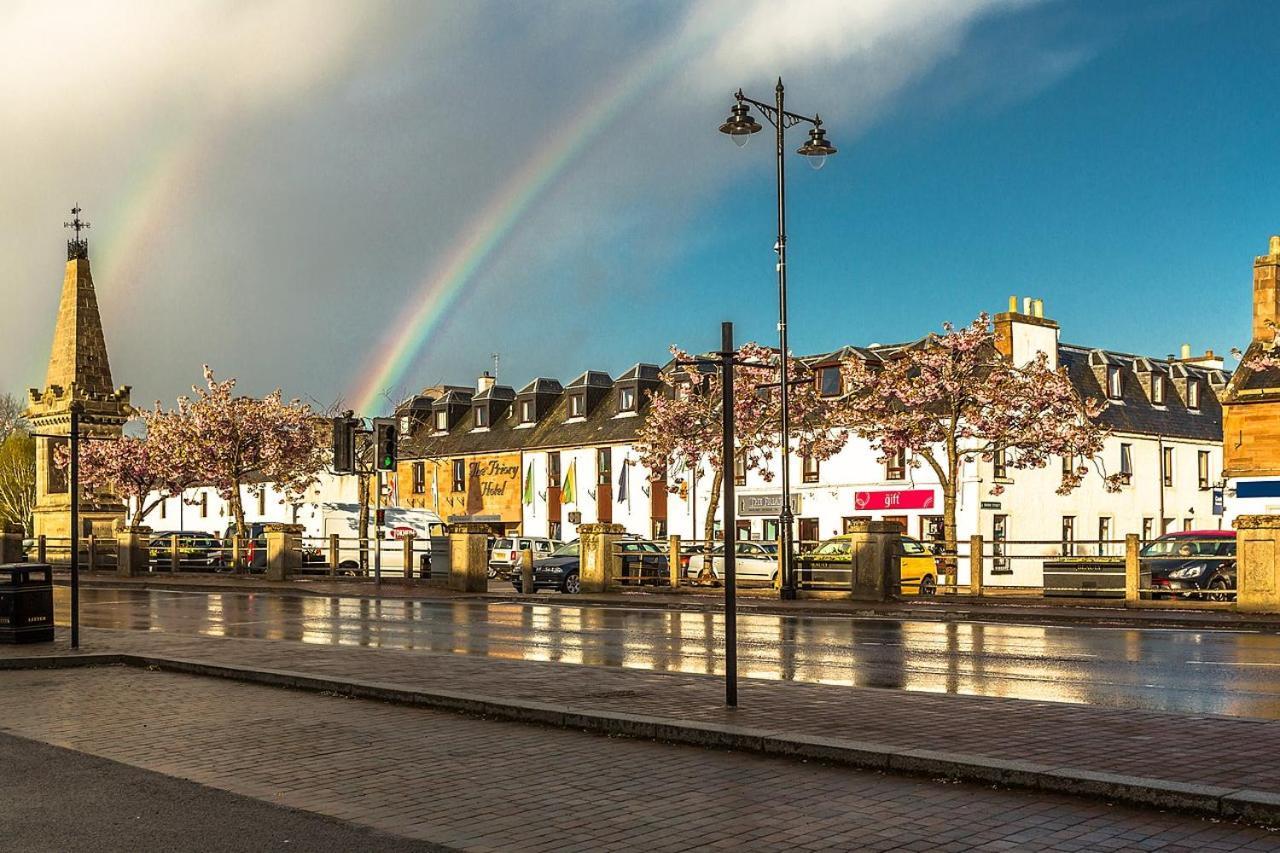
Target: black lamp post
(740,126)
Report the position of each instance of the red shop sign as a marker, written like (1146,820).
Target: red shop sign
(895,499)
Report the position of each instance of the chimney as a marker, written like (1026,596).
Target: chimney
(1266,300)
(1186,352)
(485,382)
(1019,335)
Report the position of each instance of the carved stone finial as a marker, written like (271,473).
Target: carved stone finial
(77,249)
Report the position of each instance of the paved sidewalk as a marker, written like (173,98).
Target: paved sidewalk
(1228,766)
(485,785)
(59,801)
(1020,609)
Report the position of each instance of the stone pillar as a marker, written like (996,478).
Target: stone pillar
(874,571)
(1132,569)
(673,560)
(11,543)
(975,566)
(284,550)
(1257,550)
(600,566)
(469,557)
(133,557)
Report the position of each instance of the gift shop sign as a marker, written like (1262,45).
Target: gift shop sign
(895,499)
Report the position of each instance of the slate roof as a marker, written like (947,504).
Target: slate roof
(1134,412)
(542,386)
(601,426)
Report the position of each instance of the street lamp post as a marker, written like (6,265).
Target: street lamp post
(740,126)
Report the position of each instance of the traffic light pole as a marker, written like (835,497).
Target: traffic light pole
(377,533)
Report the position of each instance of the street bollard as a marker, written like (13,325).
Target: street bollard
(92,548)
(975,566)
(42,549)
(333,555)
(1132,569)
(408,557)
(673,558)
(173,553)
(526,572)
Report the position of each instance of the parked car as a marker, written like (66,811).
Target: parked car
(561,570)
(197,551)
(755,561)
(1187,562)
(505,556)
(253,545)
(831,563)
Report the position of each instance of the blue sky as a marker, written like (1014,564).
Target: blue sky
(1113,159)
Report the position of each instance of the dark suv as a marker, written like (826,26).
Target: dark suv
(254,546)
(1184,564)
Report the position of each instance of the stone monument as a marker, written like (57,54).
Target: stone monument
(79,373)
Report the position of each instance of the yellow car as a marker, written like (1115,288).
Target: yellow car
(829,566)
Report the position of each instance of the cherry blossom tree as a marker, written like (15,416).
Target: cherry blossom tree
(246,440)
(682,433)
(145,470)
(953,398)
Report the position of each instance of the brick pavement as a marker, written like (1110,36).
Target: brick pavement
(1171,750)
(488,785)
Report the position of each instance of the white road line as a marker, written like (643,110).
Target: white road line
(1227,663)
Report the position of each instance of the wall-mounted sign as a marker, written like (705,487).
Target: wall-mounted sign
(895,499)
(575,518)
(1258,489)
(767,504)
(477,519)
(991,504)
(1219,503)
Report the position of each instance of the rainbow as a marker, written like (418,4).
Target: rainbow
(443,284)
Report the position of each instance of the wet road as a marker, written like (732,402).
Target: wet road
(1219,672)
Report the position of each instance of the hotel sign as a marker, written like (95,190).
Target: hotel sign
(767,505)
(891,499)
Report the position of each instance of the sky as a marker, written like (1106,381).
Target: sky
(354,200)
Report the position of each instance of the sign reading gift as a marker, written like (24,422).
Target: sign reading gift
(895,499)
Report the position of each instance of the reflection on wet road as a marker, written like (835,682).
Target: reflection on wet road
(1221,672)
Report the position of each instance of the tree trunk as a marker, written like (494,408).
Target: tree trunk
(709,526)
(237,512)
(362,522)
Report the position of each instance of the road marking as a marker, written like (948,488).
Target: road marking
(1228,664)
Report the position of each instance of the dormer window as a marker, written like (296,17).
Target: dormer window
(442,420)
(627,400)
(1193,394)
(1157,389)
(527,411)
(1115,383)
(578,406)
(829,381)
(482,416)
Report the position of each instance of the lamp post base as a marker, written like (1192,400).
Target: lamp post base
(787,593)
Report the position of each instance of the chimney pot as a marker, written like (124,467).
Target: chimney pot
(485,382)
(1275,244)
(1026,305)
(1186,350)
(1013,304)
(1037,308)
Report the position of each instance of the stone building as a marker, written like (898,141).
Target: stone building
(1251,405)
(79,374)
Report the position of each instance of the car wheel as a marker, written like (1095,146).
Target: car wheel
(1217,590)
(928,586)
(572,584)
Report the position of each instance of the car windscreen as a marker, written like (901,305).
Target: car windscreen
(502,543)
(911,546)
(1183,546)
(569,549)
(836,547)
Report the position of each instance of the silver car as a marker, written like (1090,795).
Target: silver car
(756,561)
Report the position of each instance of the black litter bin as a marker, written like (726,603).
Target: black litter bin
(26,603)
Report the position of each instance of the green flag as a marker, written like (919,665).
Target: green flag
(528,485)
(567,495)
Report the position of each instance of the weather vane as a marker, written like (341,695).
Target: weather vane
(77,248)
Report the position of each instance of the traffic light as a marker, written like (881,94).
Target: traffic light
(344,445)
(386,437)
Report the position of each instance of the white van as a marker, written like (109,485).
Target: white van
(322,520)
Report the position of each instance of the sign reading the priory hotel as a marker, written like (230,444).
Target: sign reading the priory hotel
(767,505)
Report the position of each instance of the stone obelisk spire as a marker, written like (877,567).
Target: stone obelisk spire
(79,373)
